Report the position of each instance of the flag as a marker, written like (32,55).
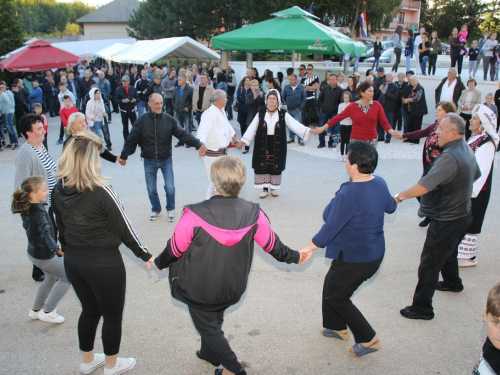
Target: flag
(362,21)
(310,9)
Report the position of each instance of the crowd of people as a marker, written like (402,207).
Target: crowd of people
(75,242)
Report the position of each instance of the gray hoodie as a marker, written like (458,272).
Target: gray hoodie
(7,103)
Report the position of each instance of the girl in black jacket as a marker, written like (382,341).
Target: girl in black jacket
(28,200)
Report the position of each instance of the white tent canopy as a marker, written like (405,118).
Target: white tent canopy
(107,52)
(153,50)
(88,48)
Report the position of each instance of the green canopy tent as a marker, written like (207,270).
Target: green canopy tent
(292,30)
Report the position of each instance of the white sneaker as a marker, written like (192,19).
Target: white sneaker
(89,368)
(341,158)
(33,314)
(464,263)
(51,317)
(154,216)
(171,215)
(123,365)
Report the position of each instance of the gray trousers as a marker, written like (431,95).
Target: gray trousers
(54,286)
(472,68)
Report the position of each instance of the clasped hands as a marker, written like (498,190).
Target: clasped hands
(121,161)
(319,129)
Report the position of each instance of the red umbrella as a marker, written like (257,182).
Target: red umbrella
(39,55)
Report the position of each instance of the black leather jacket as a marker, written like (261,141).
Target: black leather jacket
(40,233)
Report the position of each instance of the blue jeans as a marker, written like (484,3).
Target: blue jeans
(151,167)
(229,106)
(408,60)
(97,128)
(323,119)
(197,115)
(380,130)
(423,64)
(142,106)
(406,119)
(297,115)
(184,120)
(8,119)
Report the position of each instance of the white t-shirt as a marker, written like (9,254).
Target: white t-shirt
(447,92)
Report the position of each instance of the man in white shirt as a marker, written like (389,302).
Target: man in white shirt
(215,132)
(418,40)
(63,90)
(450,88)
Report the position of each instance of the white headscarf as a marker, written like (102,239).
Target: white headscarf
(277,94)
(90,106)
(488,121)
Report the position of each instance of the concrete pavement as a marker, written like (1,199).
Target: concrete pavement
(275,327)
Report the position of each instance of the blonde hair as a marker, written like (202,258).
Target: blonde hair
(489,94)
(21,196)
(37,105)
(80,164)
(74,116)
(228,174)
(493,301)
(255,81)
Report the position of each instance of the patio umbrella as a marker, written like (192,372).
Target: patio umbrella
(39,55)
(292,30)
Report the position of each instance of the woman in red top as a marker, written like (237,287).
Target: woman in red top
(364,114)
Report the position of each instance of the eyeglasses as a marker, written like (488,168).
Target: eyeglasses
(309,68)
(301,69)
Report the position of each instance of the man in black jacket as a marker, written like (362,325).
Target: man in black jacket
(450,88)
(183,105)
(329,99)
(126,98)
(388,96)
(154,130)
(141,85)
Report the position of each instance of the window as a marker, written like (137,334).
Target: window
(401,17)
(384,37)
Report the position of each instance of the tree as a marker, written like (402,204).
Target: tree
(10,28)
(200,20)
(72,29)
(491,17)
(444,15)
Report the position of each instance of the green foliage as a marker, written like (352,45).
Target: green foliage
(11,30)
(491,17)
(72,29)
(199,20)
(49,16)
(444,15)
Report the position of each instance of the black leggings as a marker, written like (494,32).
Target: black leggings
(345,137)
(101,292)
(432,64)
(457,61)
(397,51)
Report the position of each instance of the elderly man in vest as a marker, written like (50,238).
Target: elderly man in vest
(445,193)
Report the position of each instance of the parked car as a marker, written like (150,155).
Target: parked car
(385,45)
(385,57)
(445,48)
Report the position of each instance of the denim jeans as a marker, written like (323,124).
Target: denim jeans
(408,60)
(151,167)
(297,115)
(229,106)
(380,130)
(97,128)
(423,64)
(8,119)
(197,115)
(184,120)
(406,119)
(142,106)
(323,119)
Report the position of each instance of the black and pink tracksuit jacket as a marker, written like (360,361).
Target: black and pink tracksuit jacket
(211,251)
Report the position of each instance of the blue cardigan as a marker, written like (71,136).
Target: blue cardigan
(354,221)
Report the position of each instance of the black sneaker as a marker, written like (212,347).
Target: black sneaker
(409,313)
(321,146)
(301,142)
(442,287)
(331,146)
(290,141)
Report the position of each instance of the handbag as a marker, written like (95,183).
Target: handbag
(236,106)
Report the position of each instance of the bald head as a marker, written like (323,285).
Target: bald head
(155,103)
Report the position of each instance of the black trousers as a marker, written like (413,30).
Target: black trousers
(397,52)
(311,105)
(214,346)
(414,124)
(439,255)
(341,281)
(52,103)
(126,116)
(169,106)
(105,133)
(457,61)
(467,118)
(101,292)
(432,64)
(345,137)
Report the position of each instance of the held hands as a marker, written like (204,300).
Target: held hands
(318,130)
(239,145)
(149,262)
(397,135)
(202,150)
(121,161)
(305,254)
